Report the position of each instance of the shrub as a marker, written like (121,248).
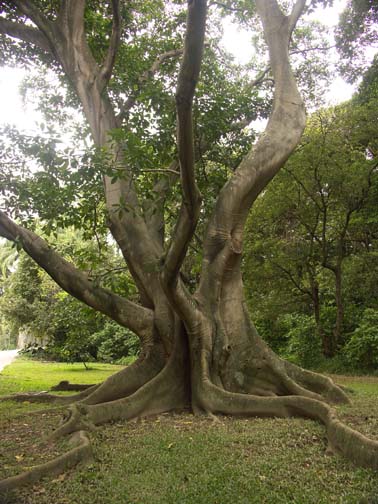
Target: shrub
(114,342)
(303,347)
(362,348)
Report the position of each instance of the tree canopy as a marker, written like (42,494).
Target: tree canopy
(313,232)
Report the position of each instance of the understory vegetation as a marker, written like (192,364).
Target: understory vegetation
(175,458)
(311,259)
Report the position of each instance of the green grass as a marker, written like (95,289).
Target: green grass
(27,375)
(180,459)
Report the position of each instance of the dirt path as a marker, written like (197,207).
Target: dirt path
(6,357)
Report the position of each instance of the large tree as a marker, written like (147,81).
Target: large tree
(199,347)
(314,217)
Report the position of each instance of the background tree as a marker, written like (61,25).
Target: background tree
(198,345)
(357,32)
(315,230)
(35,312)
(8,258)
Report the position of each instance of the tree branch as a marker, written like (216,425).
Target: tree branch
(25,33)
(187,80)
(309,49)
(301,184)
(30,10)
(160,170)
(76,283)
(261,77)
(145,77)
(296,13)
(154,207)
(224,238)
(225,6)
(107,67)
(291,277)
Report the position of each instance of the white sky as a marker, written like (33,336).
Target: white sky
(13,111)
(237,42)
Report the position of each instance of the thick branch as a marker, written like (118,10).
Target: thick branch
(68,43)
(145,77)
(29,9)
(296,13)
(107,67)
(187,80)
(154,207)
(76,283)
(25,33)
(224,235)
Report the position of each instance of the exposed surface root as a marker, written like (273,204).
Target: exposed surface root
(128,380)
(301,393)
(157,396)
(252,368)
(75,419)
(45,397)
(318,383)
(81,452)
(343,439)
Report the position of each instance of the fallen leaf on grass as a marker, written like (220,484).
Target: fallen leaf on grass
(39,490)
(60,478)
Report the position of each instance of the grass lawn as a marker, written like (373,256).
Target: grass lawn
(25,375)
(179,459)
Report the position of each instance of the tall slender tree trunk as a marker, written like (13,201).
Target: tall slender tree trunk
(321,334)
(338,328)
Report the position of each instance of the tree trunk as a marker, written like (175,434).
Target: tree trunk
(337,331)
(327,346)
(198,350)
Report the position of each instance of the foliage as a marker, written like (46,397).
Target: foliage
(8,258)
(303,347)
(22,300)
(71,327)
(316,228)
(357,31)
(362,348)
(214,322)
(64,188)
(114,342)
(32,304)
